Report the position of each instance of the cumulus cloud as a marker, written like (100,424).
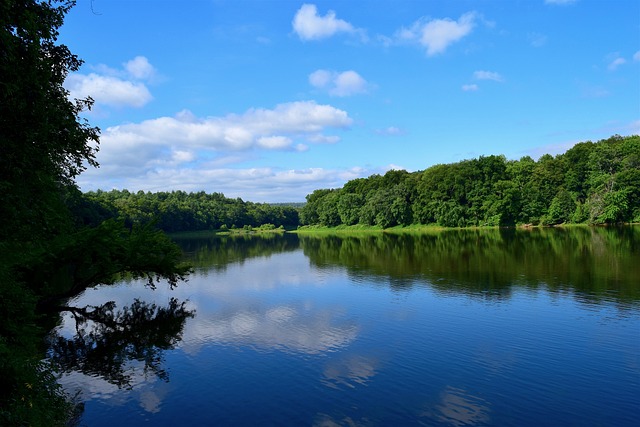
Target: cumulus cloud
(264,128)
(108,90)
(186,152)
(116,88)
(436,35)
(311,26)
(139,68)
(320,78)
(342,84)
(487,75)
(274,142)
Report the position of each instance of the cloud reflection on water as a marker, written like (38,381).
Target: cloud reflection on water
(350,371)
(457,407)
(283,328)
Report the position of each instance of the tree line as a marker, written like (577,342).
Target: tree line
(178,211)
(595,183)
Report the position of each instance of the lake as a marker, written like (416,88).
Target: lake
(454,328)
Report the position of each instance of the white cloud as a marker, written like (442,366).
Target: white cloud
(186,152)
(348,83)
(139,68)
(108,90)
(613,65)
(636,56)
(262,128)
(255,184)
(470,87)
(438,34)
(323,139)
(180,156)
(320,78)
(116,88)
(311,26)
(487,75)
(342,84)
(274,142)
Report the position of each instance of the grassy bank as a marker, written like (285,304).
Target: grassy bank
(360,228)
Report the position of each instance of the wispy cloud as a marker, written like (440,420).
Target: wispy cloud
(340,84)
(482,75)
(390,131)
(488,75)
(615,63)
(436,35)
(309,25)
(256,184)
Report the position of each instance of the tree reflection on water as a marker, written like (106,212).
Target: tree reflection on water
(108,340)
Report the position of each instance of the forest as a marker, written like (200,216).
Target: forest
(594,183)
(591,183)
(179,211)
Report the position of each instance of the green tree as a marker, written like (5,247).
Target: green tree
(47,253)
(561,209)
(44,143)
(309,213)
(349,205)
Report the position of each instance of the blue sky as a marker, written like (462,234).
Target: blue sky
(269,100)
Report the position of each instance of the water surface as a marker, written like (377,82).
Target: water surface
(490,327)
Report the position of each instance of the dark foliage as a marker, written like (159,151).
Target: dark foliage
(47,252)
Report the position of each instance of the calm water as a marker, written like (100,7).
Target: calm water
(495,328)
